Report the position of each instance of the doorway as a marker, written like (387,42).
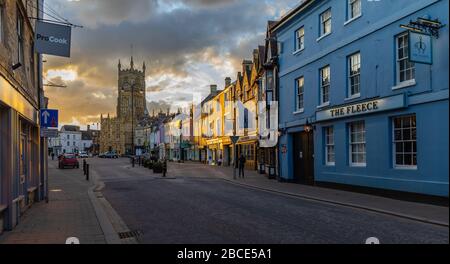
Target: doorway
(304,158)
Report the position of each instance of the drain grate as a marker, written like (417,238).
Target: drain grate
(130,234)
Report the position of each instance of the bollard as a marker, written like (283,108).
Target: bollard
(87,172)
(84,166)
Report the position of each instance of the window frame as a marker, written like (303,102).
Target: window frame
(299,94)
(323,85)
(405,58)
(350,64)
(350,15)
(2,15)
(323,22)
(351,143)
(328,145)
(394,144)
(20,21)
(299,39)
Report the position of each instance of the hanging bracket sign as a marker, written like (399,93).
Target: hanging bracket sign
(53,39)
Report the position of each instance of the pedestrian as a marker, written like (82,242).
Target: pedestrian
(242,161)
(210,160)
(53,156)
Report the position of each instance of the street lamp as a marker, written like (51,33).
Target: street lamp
(308,128)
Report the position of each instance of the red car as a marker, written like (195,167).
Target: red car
(68,160)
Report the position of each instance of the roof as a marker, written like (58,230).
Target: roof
(70,128)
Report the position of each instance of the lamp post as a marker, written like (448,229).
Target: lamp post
(132,120)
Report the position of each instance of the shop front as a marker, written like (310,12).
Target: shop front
(20,181)
(248,146)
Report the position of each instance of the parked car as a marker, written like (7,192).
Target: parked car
(102,155)
(111,155)
(83,155)
(68,160)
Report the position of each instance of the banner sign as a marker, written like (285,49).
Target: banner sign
(53,39)
(420,48)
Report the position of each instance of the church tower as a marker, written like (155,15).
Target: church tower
(131,87)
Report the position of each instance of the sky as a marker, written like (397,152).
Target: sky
(187,45)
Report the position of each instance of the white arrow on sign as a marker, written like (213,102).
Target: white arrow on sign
(46,115)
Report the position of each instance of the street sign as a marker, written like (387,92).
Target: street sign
(49,133)
(234,139)
(49,118)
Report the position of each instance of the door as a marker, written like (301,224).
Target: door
(304,158)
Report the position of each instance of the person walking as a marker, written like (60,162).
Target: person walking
(242,161)
(53,156)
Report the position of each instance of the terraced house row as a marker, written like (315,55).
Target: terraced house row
(350,93)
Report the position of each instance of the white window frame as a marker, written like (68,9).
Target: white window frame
(350,14)
(324,21)
(399,60)
(329,144)
(300,94)
(300,39)
(324,85)
(351,143)
(394,144)
(350,65)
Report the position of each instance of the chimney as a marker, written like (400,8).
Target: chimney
(227,82)
(213,88)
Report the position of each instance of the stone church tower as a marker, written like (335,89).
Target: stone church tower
(117,132)
(131,93)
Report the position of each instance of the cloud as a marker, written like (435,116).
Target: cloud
(186,44)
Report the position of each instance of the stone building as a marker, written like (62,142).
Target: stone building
(22,151)
(117,133)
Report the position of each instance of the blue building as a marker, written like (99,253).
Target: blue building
(354,108)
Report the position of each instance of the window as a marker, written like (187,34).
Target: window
(325,23)
(354,9)
(68,143)
(329,146)
(300,39)
(300,90)
(74,144)
(357,133)
(68,136)
(20,37)
(1,22)
(73,136)
(325,85)
(405,145)
(354,64)
(405,68)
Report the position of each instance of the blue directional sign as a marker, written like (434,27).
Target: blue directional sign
(49,118)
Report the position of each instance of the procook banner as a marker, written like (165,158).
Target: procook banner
(53,39)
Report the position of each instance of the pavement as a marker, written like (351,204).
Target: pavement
(424,212)
(69,213)
(200,204)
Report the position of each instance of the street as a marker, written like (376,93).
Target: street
(193,205)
